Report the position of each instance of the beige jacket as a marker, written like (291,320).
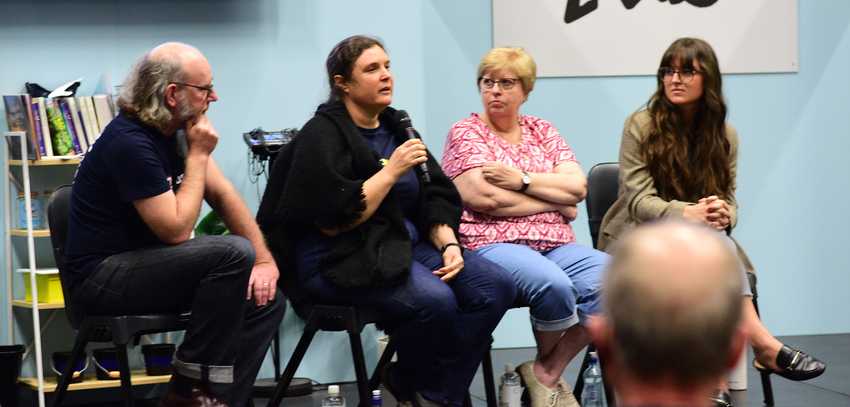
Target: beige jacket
(638,200)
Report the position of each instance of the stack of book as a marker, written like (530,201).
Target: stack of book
(59,128)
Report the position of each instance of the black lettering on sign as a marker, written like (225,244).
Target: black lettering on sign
(576,10)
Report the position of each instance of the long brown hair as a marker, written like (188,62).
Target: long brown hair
(689,161)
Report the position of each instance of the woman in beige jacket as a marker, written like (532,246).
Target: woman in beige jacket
(678,159)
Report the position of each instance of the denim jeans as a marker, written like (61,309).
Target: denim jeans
(556,283)
(442,329)
(227,337)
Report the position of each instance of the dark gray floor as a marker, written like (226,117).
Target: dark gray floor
(831,389)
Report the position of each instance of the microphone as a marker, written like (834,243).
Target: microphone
(403,120)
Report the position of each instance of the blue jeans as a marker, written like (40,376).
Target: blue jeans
(556,283)
(442,329)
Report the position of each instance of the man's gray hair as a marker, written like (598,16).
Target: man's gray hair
(143,93)
(673,297)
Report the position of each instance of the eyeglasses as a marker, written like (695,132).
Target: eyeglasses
(685,75)
(208,88)
(504,83)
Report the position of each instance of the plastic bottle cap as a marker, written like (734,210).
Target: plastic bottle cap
(376,393)
(333,390)
(509,368)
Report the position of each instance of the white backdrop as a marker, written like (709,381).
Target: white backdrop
(608,38)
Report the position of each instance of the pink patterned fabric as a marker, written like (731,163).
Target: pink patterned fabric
(470,144)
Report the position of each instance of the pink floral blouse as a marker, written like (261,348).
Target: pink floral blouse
(470,144)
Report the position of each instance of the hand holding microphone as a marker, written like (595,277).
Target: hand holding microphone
(409,154)
(403,121)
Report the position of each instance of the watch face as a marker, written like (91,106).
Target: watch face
(526,179)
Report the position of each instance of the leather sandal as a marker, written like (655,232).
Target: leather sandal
(794,365)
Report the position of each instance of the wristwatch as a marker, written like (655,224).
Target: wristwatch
(526,181)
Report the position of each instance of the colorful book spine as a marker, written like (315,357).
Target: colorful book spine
(68,118)
(27,105)
(62,144)
(45,125)
(80,122)
(36,117)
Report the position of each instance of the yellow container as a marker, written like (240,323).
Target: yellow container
(48,284)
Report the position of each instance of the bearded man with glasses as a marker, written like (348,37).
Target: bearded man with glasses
(135,200)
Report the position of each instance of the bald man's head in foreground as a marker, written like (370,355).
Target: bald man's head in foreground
(672,307)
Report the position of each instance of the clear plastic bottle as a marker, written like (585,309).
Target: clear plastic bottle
(593,393)
(333,399)
(510,390)
(376,398)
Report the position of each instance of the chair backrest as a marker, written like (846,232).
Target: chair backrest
(602,187)
(58,211)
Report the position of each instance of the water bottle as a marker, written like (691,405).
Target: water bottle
(376,398)
(593,393)
(334,399)
(510,390)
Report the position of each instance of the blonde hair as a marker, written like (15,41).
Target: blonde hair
(511,59)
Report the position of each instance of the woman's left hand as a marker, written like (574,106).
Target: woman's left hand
(452,263)
(502,175)
(718,215)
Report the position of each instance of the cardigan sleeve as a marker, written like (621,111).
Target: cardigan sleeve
(442,205)
(321,188)
(732,135)
(642,198)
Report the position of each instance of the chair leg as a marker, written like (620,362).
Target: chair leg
(291,366)
(585,363)
(65,380)
(766,386)
(276,354)
(489,384)
(124,369)
(359,361)
(609,392)
(389,351)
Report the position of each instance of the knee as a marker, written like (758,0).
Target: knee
(237,250)
(440,306)
(503,287)
(560,288)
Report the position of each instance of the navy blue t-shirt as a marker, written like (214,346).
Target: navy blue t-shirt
(130,161)
(383,142)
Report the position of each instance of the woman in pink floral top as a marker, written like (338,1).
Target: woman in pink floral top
(520,184)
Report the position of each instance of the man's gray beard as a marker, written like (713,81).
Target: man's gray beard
(185,113)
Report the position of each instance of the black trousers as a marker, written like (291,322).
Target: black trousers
(227,337)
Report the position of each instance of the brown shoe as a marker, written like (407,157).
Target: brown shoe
(542,396)
(198,398)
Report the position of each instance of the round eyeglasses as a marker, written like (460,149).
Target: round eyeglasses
(685,75)
(504,83)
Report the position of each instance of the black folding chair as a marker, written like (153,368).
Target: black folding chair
(119,330)
(335,318)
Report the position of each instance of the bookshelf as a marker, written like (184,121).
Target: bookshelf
(32,233)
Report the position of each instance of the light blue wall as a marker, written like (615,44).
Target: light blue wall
(268,56)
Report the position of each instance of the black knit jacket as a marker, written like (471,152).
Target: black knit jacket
(317,182)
